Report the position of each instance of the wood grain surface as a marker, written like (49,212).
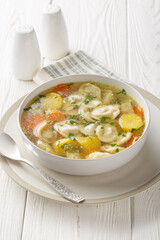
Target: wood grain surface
(124,35)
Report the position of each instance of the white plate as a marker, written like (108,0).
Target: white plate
(134,177)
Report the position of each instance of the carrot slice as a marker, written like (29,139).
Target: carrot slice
(55,117)
(131,141)
(63,89)
(32,121)
(139,111)
(60,135)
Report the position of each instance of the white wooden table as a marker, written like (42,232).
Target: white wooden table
(125,36)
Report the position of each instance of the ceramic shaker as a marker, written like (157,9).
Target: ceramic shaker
(26,58)
(54,37)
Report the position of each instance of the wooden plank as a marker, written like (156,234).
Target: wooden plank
(46,219)
(144,44)
(12,202)
(146,214)
(12,196)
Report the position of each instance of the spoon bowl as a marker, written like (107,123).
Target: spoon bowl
(9,149)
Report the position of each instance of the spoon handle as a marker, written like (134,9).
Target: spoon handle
(59,187)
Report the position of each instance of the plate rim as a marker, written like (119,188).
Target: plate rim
(6,167)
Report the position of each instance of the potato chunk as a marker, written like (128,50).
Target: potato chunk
(62,146)
(89,144)
(51,101)
(130,121)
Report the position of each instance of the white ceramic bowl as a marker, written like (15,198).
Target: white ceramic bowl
(86,166)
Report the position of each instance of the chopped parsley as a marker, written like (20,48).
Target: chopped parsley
(71,136)
(56,97)
(27,109)
(113,145)
(119,134)
(111,123)
(65,145)
(87,123)
(69,85)
(103,119)
(88,99)
(75,116)
(140,128)
(74,149)
(123,135)
(73,103)
(72,122)
(37,100)
(42,95)
(122,92)
(117,149)
(133,129)
(102,127)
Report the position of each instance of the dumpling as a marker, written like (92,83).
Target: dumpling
(85,113)
(74,99)
(126,107)
(65,129)
(111,111)
(92,104)
(89,129)
(97,155)
(111,149)
(107,96)
(90,89)
(44,132)
(123,138)
(106,133)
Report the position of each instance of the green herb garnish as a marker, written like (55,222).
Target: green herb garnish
(69,85)
(65,145)
(123,135)
(113,145)
(72,122)
(37,100)
(88,99)
(140,128)
(27,109)
(102,127)
(71,136)
(103,119)
(74,149)
(75,116)
(111,123)
(117,149)
(42,95)
(133,129)
(122,92)
(119,134)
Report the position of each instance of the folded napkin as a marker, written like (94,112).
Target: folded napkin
(75,63)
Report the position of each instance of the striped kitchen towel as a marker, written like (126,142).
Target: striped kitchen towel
(75,63)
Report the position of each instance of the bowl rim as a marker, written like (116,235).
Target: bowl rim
(85,160)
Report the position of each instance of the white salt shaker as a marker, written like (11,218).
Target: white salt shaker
(54,37)
(26,58)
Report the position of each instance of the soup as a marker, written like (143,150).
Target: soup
(83,120)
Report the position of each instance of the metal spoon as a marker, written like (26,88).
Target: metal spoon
(9,149)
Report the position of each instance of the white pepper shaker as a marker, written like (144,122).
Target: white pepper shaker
(54,36)
(26,58)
